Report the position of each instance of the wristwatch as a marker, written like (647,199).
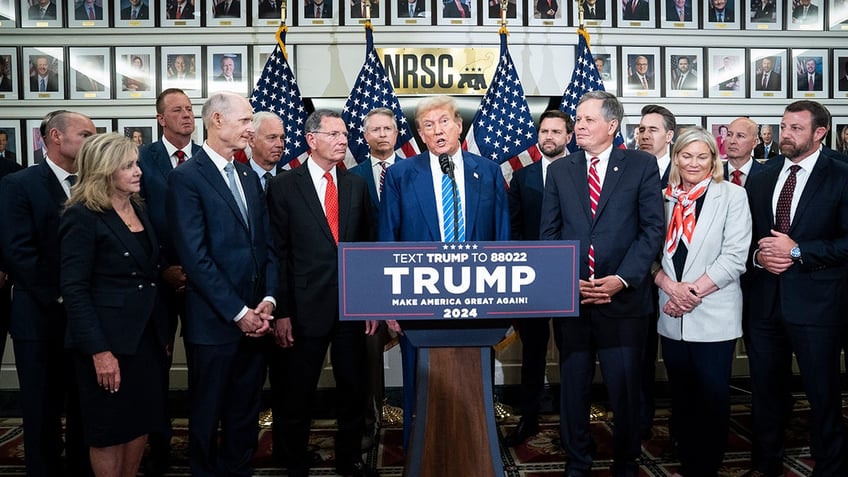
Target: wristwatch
(795,253)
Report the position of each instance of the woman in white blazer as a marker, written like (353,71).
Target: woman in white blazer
(708,235)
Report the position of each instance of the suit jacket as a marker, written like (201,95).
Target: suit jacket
(719,248)
(760,153)
(229,263)
(109,282)
(34,12)
(403,8)
(236,77)
(8,164)
(6,83)
(187,13)
(600,11)
(672,15)
(542,7)
(843,83)
(803,83)
(52,82)
(773,83)
(525,195)
(268,11)
(811,291)
(408,209)
(155,166)
(764,15)
(713,16)
(81,14)
(690,82)
(633,80)
(221,10)
(29,241)
(143,13)
(326,10)
(628,227)
(642,11)
(756,166)
(364,170)
(812,15)
(87,83)
(451,10)
(306,250)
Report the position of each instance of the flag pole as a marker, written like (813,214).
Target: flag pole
(580,17)
(504,5)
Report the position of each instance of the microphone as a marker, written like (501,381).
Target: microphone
(446,164)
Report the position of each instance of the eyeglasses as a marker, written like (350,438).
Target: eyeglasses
(333,135)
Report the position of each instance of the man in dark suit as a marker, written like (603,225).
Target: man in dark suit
(29,240)
(719,12)
(595,10)
(686,78)
(8,165)
(764,11)
(137,10)
(156,160)
(181,10)
(314,207)
(88,11)
(678,10)
(640,79)
(767,78)
(797,294)
(739,144)
(266,146)
(43,10)
(409,209)
(809,79)
(767,148)
(228,9)
(456,9)
(547,8)
(44,79)
(610,200)
(805,13)
(318,9)
(5,80)
(228,70)
(220,231)
(637,10)
(5,153)
(410,8)
(269,9)
(525,193)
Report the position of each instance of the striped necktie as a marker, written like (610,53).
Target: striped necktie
(594,196)
(452,233)
(231,178)
(331,206)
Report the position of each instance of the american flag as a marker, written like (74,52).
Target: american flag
(502,129)
(584,78)
(277,91)
(373,89)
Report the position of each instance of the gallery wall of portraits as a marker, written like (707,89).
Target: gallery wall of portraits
(707,60)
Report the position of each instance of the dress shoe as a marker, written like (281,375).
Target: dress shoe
(526,428)
(358,469)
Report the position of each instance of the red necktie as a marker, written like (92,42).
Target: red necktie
(90,14)
(179,11)
(382,176)
(331,206)
(180,156)
(594,195)
(461,10)
(810,83)
(737,177)
(784,201)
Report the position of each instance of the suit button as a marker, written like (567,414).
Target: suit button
(133,274)
(126,254)
(153,284)
(141,287)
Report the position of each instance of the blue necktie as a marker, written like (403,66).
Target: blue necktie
(231,177)
(447,209)
(43,85)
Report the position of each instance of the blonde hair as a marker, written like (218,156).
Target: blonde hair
(435,102)
(686,137)
(98,159)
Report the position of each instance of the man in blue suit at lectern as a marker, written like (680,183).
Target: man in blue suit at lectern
(414,207)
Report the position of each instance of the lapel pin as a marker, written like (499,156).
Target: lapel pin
(615,168)
(476,176)
(244,174)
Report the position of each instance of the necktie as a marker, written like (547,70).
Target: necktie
(765,80)
(784,201)
(452,233)
(592,11)
(42,85)
(317,11)
(411,10)
(72,179)
(181,156)
(680,83)
(134,14)
(179,11)
(90,14)
(267,176)
(43,12)
(231,178)
(810,82)
(459,8)
(766,149)
(594,195)
(644,82)
(331,206)
(633,6)
(382,177)
(680,14)
(721,17)
(737,177)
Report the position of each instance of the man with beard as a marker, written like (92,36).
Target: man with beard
(526,190)
(797,293)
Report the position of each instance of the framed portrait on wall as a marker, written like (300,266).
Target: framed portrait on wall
(88,13)
(726,73)
(355,14)
(102,126)
(805,15)
(226,13)
(641,71)
(181,68)
(765,15)
(8,13)
(199,133)
(811,73)
(10,140)
(684,122)
(679,14)
(412,12)
(768,72)
(179,13)
(514,12)
(456,12)
(41,13)
(606,62)
(545,12)
(317,12)
(8,73)
(35,143)
(261,53)
(267,12)
(135,13)
(840,74)
(684,76)
(636,14)
(722,14)
(91,75)
(768,134)
(718,127)
(837,17)
(596,13)
(630,131)
(838,133)
(135,72)
(226,69)
(141,131)
(45,73)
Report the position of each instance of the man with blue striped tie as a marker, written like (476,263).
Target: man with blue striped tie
(442,195)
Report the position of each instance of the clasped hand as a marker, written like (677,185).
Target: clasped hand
(257,322)
(682,298)
(773,252)
(598,291)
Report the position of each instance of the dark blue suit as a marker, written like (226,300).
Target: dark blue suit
(365,170)
(627,232)
(229,265)
(800,311)
(29,233)
(408,213)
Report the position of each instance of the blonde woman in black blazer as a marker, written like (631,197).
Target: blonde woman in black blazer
(109,286)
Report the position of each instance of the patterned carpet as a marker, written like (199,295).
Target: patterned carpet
(539,457)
